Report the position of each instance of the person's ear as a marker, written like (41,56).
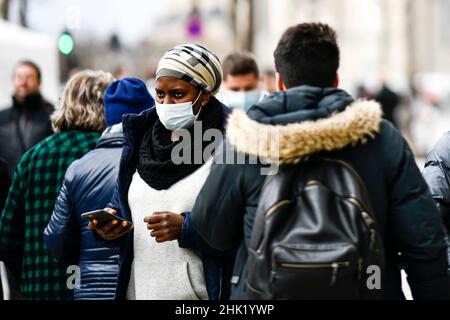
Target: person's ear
(261,83)
(205,98)
(280,84)
(336,81)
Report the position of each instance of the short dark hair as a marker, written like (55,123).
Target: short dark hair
(308,54)
(269,73)
(31,64)
(239,63)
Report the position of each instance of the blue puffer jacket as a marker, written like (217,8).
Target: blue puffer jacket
(88,185)
(217,266)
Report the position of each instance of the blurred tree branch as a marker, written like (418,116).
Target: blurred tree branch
(234,4)
(251,26)
(411,43)
(4,9)
(245,41)
(23,9)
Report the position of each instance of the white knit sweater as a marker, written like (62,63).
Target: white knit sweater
(164,270)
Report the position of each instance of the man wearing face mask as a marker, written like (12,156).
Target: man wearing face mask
(241,81)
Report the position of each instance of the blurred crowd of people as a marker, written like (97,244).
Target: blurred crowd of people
(183,231)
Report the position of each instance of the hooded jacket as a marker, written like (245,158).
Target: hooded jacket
(310,120)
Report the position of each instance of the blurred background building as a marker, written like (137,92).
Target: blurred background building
(402,44)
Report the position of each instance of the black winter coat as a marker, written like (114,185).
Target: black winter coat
(88,185)
(341,128)
(22,126)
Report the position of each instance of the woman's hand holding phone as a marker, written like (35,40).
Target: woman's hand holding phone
(112,230)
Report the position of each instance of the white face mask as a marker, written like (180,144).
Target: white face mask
(242,99)
(178,115)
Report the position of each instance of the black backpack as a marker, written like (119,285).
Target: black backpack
(314,235)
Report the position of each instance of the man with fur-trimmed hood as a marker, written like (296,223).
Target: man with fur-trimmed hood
(313,116)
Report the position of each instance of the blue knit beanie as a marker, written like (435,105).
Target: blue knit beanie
(129,95)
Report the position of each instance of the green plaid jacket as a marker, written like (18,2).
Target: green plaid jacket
(36,184)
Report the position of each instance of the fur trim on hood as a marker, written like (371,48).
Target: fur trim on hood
(286,144)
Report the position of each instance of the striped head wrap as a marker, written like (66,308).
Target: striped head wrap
(194,64)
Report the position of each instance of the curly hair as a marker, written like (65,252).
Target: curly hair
(81,104)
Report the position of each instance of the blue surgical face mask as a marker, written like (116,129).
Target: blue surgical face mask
(178,115)
(242,99)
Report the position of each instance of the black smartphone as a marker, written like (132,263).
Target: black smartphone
(103,217)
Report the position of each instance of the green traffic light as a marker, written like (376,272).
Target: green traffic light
(66,44)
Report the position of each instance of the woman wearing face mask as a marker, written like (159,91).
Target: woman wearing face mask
(156,193)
